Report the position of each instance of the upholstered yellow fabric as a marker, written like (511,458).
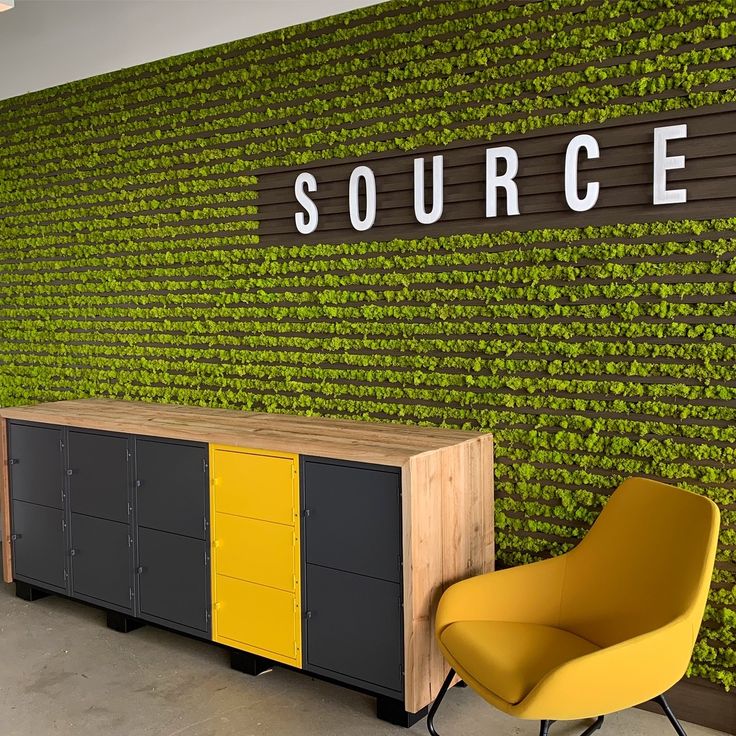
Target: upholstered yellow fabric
(608,625)
(511,658)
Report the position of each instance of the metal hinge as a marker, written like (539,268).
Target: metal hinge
(205,466)
(66,575)
(130,593)
(128,454)
(207,614)
(130,540)
(61,445)
(204,524)
(206,558)
(63,525)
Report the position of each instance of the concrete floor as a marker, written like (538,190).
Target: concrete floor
(63,673)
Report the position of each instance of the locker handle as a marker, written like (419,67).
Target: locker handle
(217,606)
(15,536)
(72,552)
(217,544)
(140,569)
(138,483)
(13,461)
(70,472)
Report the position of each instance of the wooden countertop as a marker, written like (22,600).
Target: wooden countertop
(385,444)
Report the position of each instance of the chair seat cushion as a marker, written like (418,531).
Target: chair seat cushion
(507,658)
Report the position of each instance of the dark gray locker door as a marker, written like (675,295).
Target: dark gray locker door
(173,579)
(98,485)
(353,519)
(100,558)
(354,627)
(36,464)
(39,547)
(173,491)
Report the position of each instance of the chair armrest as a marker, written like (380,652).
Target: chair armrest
(526,594)
(613,678)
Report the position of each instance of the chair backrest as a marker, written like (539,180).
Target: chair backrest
(647,560)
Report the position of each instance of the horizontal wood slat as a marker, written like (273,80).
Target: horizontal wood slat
(624,171)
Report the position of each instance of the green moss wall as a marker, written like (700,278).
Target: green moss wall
(130,265)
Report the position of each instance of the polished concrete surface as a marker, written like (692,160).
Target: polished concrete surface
(63,673)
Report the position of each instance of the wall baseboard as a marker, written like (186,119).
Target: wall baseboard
(702,702)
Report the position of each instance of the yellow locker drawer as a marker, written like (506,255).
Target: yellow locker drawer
(257,618)
(259,551)
(255,485)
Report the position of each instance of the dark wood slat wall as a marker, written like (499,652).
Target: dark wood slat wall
(148,248)
(624,172)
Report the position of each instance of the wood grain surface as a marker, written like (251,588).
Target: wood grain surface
(385,444)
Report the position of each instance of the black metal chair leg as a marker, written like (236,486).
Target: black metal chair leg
(544,728)
(433,710)
(593,727)
(665,706)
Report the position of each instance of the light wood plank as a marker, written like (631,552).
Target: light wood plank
(5,502)
(424,557)
(386,444)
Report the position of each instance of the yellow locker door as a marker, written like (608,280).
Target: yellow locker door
(255,485)
(259,551)
(256,561)
(257,618)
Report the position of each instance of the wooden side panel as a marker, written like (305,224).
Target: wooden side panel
(5,502)
(485,478)
(422,573)
(448,496)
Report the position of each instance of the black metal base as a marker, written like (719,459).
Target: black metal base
(250,664)
(393,711)
(29,592)
(122,623)
(433,710)
(661,701)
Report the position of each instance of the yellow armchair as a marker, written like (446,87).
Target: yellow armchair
(604,627)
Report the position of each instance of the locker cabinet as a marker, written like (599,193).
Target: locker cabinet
(99,521)
(37,523)
(255,533)
(172,527)
(98,475)
(39,545)
(101,562)
(173,580)
(114,520)
(352,581)
(317,543)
